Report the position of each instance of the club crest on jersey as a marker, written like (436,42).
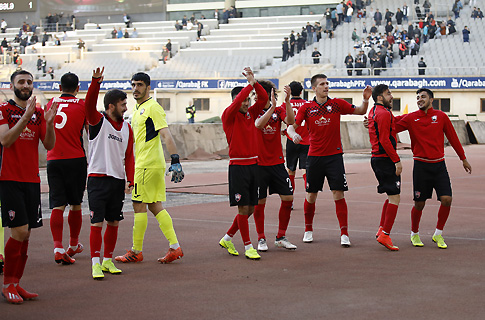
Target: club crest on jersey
(237,196)
(248,115)
(434,119)
(274,116)
(417,194)
(34,117)
(329,108)
(142,111)
(11,215)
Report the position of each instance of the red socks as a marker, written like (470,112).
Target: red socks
(309,210)
(22,260)
(12,258)
(342,216)
(56,223)
(242,222)
(383,213)
(415,219)
(95,241)
(110,237)
(443,214)
(75,220)
(284,218)
(234,228)
(391,213)
(259,220)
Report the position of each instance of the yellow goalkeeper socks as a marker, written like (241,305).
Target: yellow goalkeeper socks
(139,228)
(166,225)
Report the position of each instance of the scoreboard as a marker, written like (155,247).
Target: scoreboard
(18,5)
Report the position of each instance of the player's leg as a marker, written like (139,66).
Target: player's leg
(140,222)
(57,202)
(13,260)
(416,213)
(291,161)
(422,190)
(264,180)
(166,225)
(315,180)
(114,214)
(244,212)
(442,185)
(95,243)
(75,191)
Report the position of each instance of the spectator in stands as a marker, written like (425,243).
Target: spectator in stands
(421,67)
(119,34)
(45,38)
(457,6)
(388,16)
(225,16)
(378,64)
(233,12)
(309,32)
(389,27)
(134,34)
(57,42)
(169,47)
(334,16)
(349,60)
(3,26)
(190,111)
(39,64)
(390,57)
(399,16)
(15,56)
(328,19)
(126,20)
(340,12)
(348,14)
(358,67)
(192,19)
(425,34)
(316,56)
(355,37)
(292,43)
(23,44)
(402,49)
(451,27)
(217,16)
(426,6)
(51,72)
(412,46)
(126,35)
(466,34)
(479,14)
(44,65)
(98,26)
(363,58)
(378,17)
(304,35)
(165,54)
(317,34)
(178,26)
(200,26)
(114,33)
(405,12)
(300,43)
(4,44)
(285,46)
(81,44)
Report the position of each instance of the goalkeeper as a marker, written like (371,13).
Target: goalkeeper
(149,125)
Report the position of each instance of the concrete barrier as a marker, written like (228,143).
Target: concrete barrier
(477,130)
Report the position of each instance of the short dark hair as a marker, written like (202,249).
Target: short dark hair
(141,76)
(113,96)
(235,91)
(69,82)
(19,72)
(296,88)
(267,86)
(429,92)
(317,76)
(378,90)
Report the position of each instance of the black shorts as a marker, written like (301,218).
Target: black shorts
(106,196)
(319,167)
(296,153)
(276,179)
(20,204)
(385,172)
(429,176)
(243,185)
(67,181)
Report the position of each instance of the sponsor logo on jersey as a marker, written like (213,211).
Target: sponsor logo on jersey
(11,215)
(237,196)
(322,121)
(27,134)
(269,129)
(113,137)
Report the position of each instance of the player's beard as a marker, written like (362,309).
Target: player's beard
(22,96)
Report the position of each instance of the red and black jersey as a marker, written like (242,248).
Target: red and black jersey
(69,125)
(302,130)
(240,129)
(382,133)
(20,161)
(269,139)
(323,123)
(426,131)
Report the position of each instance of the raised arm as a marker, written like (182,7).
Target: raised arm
(49,140)
(92,114)
(263,120)
(362,109)
(290,115)
(9,135)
